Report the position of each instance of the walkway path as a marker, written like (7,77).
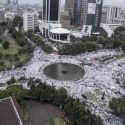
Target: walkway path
(11,40)
(41,113)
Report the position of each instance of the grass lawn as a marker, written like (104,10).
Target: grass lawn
(3,39)
(10,51)
(99,92)
(58,121)
(120,56)
(92,97)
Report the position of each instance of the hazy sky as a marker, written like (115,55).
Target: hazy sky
(120,3)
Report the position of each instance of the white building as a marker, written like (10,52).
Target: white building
(111,12)
(119,21)
(30,20)
(50,24)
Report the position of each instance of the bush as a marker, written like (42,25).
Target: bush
(2,63)
(6,45)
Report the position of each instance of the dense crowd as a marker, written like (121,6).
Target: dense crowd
(97,77)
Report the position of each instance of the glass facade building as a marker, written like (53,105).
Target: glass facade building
(51,10)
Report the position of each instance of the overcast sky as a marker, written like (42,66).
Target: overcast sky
(120,3)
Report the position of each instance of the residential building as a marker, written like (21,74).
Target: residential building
(109,13)
(30,20)
(10,112)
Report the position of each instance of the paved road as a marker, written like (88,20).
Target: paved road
(41,113)
(11,40)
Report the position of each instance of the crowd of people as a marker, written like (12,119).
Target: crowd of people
(97,77)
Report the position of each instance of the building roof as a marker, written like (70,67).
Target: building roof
(60,31)
(10,112)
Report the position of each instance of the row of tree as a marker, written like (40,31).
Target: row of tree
(75,48)
(76,112)
(38,41)
(118,106)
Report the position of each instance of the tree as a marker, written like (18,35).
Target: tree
(48,49)
(118,105)
(17,91)
(6,45)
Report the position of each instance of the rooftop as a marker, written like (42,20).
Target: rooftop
(10,112)
(60,31)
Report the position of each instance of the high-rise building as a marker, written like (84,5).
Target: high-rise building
(75,8)
(50,14)
(50,24)
(30,20)
(92,17)
(109,13)
(15,2)
(8,2)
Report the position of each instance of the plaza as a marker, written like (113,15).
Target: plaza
(99,77)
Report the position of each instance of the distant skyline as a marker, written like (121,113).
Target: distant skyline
(120,3)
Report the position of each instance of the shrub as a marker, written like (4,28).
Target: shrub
(6,45)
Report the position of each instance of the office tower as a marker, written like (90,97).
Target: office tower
(76,10)
(30,20)
(50,14)
(15,2)
(109,13)
(92,17)
(8,2)
(2,18)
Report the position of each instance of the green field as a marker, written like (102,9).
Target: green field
(3,39)
(57,121)
(99,92)
(92,97)
(10,51)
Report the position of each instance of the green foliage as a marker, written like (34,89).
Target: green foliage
(2,63)
(14,90)
(11,81)
(38,41)
(118,105)
(17,21)
(75,48)
(47,49)
(6,45)
(75,111)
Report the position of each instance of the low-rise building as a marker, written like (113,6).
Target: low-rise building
(119,21)
(10,112)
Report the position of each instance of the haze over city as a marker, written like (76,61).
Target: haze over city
(119,3)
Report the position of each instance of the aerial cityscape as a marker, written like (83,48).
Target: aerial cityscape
(62,62)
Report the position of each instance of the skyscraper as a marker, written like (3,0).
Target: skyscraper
(51,10)
(111,12)
(8,2)
(15,2)
(75,8)
(92,16)
(51,14)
